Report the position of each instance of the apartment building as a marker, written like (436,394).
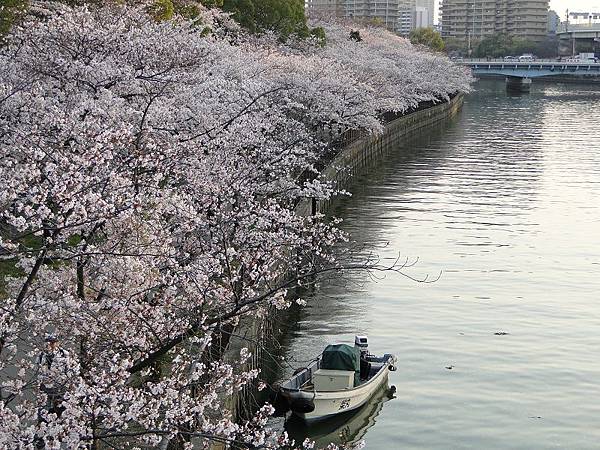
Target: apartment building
(406,19)
(325,7)
(553,22)
(386,11)
(427,10)
(479,18)
(400,16)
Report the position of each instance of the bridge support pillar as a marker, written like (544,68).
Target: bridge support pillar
(518,84)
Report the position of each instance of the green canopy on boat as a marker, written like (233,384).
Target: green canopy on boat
(341,357)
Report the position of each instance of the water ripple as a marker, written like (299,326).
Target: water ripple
(505,202)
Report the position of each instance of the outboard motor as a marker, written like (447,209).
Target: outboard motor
(362,343)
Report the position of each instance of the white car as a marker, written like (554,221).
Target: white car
(526,58)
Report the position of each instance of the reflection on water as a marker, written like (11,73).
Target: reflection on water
(504,201)
(344,430)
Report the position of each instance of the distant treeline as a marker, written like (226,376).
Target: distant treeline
(286,17)
(503,44)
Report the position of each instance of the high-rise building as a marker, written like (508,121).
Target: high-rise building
(427,7)
(553,22)
(415,14)
(479,18)
(406,19)
(421,19)
(327,7)
(400,16)
(385,11)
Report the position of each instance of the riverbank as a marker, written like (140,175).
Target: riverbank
(265,336)
(363,150)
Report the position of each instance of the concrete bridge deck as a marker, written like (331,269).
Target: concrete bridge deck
(579,30)
(531,69)
(520,73)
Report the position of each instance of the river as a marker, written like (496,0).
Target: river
(503,351)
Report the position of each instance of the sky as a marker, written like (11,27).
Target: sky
(560,6)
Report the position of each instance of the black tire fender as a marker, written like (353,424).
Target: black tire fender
(302,406)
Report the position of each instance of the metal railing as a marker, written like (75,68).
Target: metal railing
(536,62)
(575,27)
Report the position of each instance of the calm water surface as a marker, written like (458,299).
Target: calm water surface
(504,201)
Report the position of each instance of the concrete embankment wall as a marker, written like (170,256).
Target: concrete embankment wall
(263,336)
(365,151)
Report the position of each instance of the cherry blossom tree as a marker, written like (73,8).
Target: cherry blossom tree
(148,176)
(400,76)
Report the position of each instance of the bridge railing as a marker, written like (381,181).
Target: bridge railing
(517,61)
(577,27)
(523,64)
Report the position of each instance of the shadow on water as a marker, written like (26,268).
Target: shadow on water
(342,430)
(511,93)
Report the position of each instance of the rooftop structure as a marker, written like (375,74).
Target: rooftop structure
(584,17)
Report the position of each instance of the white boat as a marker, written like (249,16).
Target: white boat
(344,430)
(341,379)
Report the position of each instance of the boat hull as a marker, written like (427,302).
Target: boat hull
(328,404)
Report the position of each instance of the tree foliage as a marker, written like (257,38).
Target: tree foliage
(162,9)
(427,37)
(503,44)
(212,3)
(10,11)
(500,45)
(548,48)
(454,46)
(283,16)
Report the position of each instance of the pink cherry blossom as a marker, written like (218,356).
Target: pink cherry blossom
(148,177)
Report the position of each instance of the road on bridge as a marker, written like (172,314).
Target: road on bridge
(531,69)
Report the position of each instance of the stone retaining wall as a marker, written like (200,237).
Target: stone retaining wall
(362,152)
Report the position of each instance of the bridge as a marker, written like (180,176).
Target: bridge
(519,73)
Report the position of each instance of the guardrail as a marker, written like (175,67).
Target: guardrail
(523,63)
(578,27)
(531,69)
